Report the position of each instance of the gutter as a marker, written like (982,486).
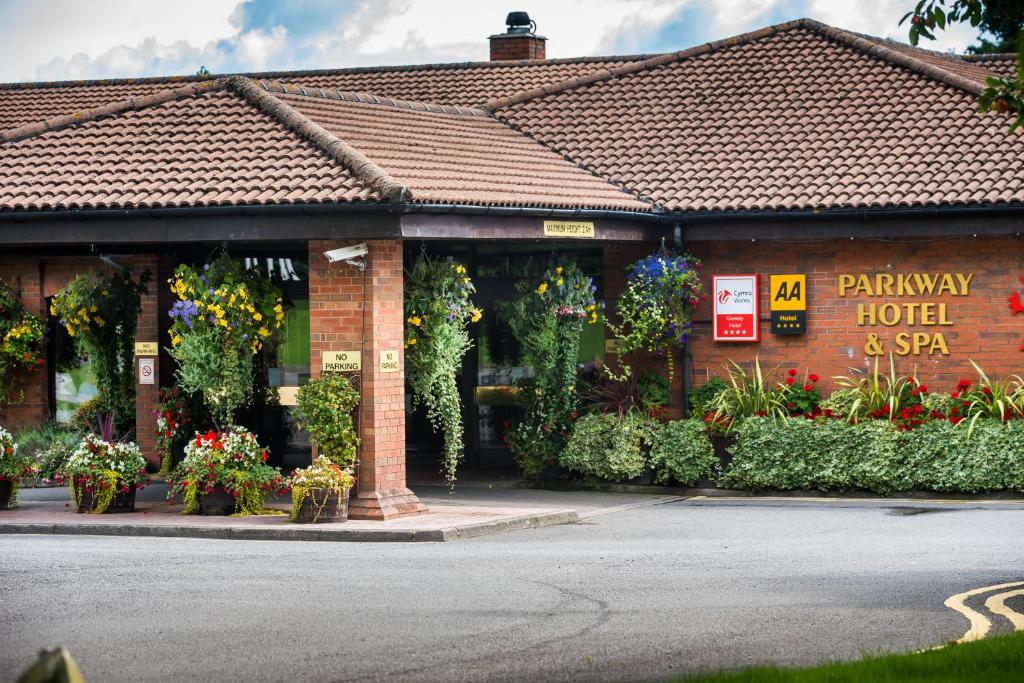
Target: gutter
(662,217)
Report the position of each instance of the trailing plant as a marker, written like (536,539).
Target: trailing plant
(49,446)
(224,315)
(319,482)
(103,468)
(325,407)
(893,397)
(177,414)
(13,464)
(232,459)
(656,306)
(548,322)
(100,313)
(21,344)
(438,311)
(875,455)
(753,394)
(681,450)
(703,397)
(609,446)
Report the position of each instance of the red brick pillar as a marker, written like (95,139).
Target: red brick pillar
(23,276)
(348,309)
(147,395)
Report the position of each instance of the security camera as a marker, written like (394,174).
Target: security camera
(349,255)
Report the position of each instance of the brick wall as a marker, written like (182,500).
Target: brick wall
(982,329)
(23,276)
(346,306)
(517,47)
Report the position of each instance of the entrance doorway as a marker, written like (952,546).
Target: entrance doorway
(501,273)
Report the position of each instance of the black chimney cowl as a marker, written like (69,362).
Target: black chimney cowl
(520,22)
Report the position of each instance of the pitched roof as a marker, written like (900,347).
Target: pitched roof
(233,142)
(794,116)
(463,84)
(1003,65)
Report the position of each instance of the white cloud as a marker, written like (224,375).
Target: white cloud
(63,39)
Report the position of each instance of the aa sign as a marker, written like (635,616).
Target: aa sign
(787,298)
(736,316)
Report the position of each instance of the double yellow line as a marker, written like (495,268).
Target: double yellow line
(996,604)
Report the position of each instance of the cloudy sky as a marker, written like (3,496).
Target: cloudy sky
(74,39)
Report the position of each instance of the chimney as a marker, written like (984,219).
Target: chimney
(519,41)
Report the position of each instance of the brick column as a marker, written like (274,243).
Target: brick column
(23,276)
(148,395)
(348,308)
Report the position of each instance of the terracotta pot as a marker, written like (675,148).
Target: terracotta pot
(323,505)
(122,502)
(6,486)
(217,502)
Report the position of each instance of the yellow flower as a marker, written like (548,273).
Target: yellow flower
(412,342)
(460,269)
(99,321)
(477,314)
(258,317)
(222,322)
(558,270)
(541,288)
(175,340)
(93,309)
(53,309)
(560,282)
(82,312)
(415,320)
(264,332)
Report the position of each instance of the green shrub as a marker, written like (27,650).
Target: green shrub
(325,407)
(608,446)
(701,398)
(681,450)
(875,455)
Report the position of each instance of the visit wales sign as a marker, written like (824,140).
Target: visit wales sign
(735,316)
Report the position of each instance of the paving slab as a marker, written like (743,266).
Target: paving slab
(441,523)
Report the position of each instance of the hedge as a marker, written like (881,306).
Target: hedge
(875,456)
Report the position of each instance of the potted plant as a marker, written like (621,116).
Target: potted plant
(320,492)
(325,408)
(224,473)
(104,474)
(12,468)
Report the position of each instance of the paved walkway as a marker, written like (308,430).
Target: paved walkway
(47,511)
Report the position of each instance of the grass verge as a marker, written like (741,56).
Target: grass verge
(999,659)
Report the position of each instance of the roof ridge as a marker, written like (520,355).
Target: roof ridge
(361,165)
(988,56)
(274,75)
(901,59)
(112,109)
(367,98)
(644,65)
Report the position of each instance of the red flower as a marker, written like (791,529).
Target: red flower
(922,388)
(905,413)
(812,377)
(917,409)
(791,405)
(789,380)
(963,384)
(792,372)
(761,413)
(954,394)
(986,391)
(808,387)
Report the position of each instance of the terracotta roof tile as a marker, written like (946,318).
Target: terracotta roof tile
(795,116)
(466,84)
(466,158)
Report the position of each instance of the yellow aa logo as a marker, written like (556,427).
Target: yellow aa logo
(788,292)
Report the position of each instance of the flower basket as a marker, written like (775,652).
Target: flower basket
(225,473)
(13,466)
(320,492)
(122,501)
(104,474)
(323,505)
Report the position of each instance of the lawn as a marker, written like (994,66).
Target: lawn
(993,660)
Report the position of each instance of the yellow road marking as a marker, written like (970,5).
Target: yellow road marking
(980,625)
(997,605)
